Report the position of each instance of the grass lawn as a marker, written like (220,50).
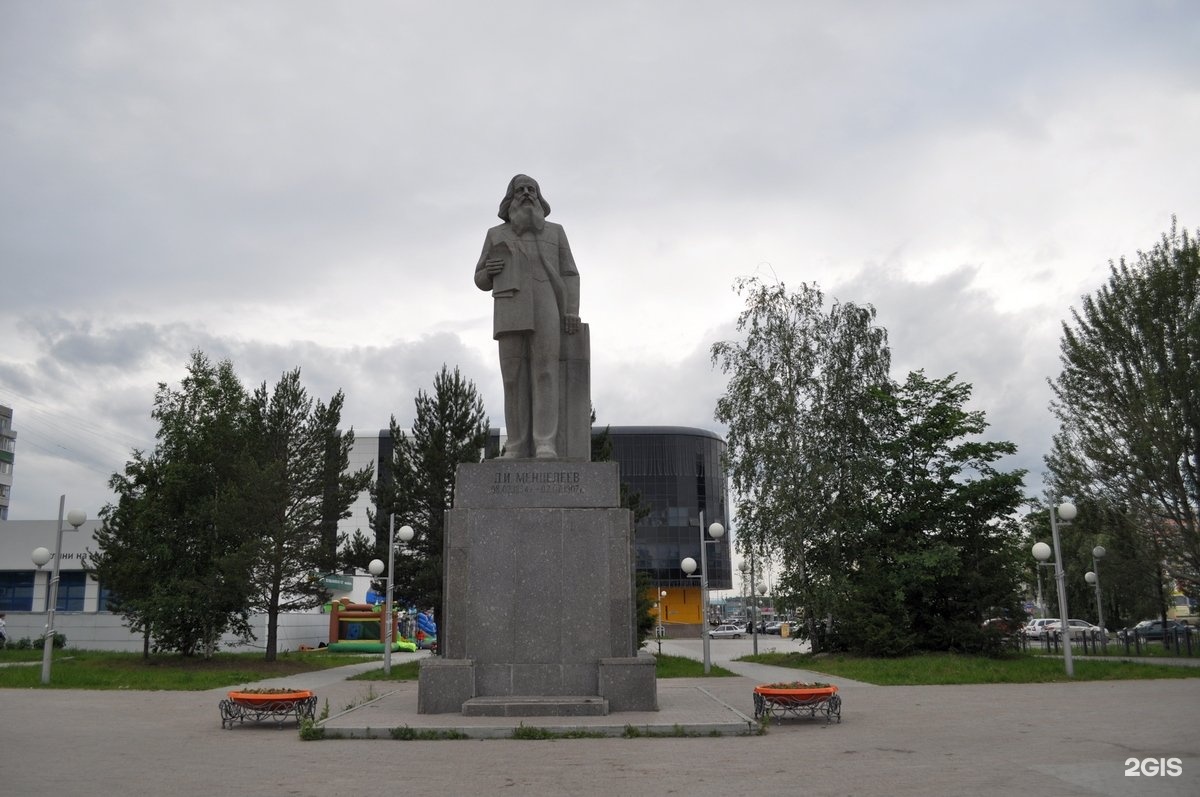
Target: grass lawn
(1150,650)
(948,668)
(90,669)
(680,667)
(405,671)
(95,669)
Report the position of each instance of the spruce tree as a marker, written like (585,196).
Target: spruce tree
(450,428)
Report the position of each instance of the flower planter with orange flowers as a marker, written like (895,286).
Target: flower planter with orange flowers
(256,705)
(255,699)
(797,699)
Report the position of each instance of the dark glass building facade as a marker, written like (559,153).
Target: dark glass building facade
(677,471)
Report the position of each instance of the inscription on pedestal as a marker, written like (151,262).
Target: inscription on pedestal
(560,484)
(526,482)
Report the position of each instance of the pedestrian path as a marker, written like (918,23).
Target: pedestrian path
(314,680)
(726,652)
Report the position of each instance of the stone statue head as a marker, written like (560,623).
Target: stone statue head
(511,194)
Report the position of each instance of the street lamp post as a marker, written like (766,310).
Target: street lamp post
(662,631)
(1042,552)
(761,589)
(1066,512)
(744,567)
(1041,603)
(689,566)
(376,567)
(41,556)
(1093,577)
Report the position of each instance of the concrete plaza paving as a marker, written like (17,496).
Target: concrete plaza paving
(1038,739)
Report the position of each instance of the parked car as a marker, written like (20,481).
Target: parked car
(1002,625)
(1036,628)
(1152,629)
(727,631)
(776,626)
(1078,628)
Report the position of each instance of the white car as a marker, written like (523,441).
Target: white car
(727,631)
(1036,629)
(1078,628)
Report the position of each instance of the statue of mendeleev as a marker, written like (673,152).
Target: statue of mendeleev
(527,265)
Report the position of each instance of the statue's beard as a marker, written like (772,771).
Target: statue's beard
(526,216)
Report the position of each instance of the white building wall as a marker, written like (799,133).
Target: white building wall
(97,630)
(364,453)
(107,631)
(8,444)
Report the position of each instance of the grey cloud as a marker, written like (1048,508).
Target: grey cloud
(302,184)
(79,343)
(680,392)
(947,326)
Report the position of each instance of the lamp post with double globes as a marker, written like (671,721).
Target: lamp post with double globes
(1041,552)
(716,530)
(744,568)
(1093,577)
(661,631)
(762,591)
(405,534)
(41,557)
(659,609)
(1065,512)
(1041,602)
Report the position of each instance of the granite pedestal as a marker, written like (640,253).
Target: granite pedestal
(539,589)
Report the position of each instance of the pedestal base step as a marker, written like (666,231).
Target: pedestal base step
(536,706)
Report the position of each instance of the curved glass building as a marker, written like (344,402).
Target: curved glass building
(675,472)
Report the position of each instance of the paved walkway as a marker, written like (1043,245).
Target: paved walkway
(725,652)
(1038,739)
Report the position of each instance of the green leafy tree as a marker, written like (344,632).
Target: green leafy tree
(889,517)
(450,428)
(132,553)
(645,597)
(801,446)
(1128,404)
(229,513)
(941,552)
(182,511)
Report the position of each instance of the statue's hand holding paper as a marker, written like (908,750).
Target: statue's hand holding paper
(504,280)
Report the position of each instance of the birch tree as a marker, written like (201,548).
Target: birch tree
(800,444)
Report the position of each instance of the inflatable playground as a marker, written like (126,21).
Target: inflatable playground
(360,628)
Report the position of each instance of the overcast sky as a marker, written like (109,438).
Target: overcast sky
(308,184)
